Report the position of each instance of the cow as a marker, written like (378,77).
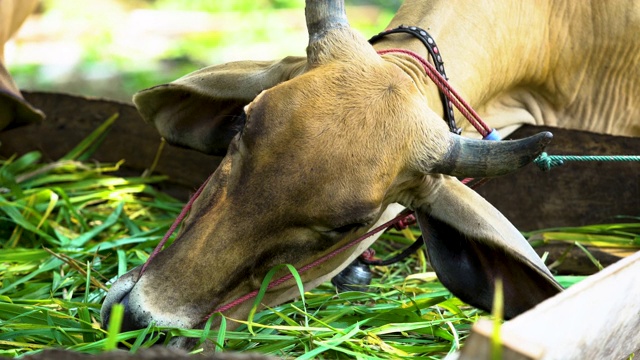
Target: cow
(319,149)
(14,110)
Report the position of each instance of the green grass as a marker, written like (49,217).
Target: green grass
(69,227)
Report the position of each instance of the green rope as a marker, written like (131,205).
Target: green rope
(545,162)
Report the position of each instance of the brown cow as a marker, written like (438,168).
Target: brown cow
(14,110)
(329,143)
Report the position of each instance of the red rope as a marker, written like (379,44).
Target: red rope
(400,218)
(405,213)
(443,85)
(465,109)
(174,226)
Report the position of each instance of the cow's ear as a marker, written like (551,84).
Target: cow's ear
(14,109)
(204,110)
(471,244)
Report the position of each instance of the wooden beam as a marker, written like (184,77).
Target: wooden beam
(595,192)
(70,119)
(598,318)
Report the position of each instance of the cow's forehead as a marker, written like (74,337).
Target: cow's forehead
(300,135)
(330,100)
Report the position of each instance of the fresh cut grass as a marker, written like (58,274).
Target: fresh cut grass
(70,227)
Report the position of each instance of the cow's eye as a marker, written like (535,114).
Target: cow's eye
(343,230)
(348,228)
(241,121)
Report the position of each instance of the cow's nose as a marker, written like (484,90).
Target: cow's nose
(129,322)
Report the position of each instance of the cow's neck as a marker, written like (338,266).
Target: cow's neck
(535,62)
(476,65)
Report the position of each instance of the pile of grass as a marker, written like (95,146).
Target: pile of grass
(69,227)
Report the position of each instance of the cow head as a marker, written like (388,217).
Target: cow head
(318,148)
(14,110)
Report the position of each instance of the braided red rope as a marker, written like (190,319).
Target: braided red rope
(398,219)
(465,109)
(405,213)
(174,226)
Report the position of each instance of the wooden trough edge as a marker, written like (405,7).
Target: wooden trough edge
(598,318)
(595,193)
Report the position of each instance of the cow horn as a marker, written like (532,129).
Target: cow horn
(324,15)
(480,158)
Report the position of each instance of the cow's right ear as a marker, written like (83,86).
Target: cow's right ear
(205,109)
(471,244)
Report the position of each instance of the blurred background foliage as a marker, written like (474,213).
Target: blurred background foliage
(113,48)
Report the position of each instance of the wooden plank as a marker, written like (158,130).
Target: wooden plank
(529,198)
(564,258)
(71,118)
(598,318)
(595,192)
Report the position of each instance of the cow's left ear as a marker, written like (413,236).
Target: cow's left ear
(471,244)
(204,110)
(14,109)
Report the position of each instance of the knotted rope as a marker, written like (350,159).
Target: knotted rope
(545,161)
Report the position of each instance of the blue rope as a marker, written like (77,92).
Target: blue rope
(545,162)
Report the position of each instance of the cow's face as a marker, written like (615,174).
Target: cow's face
(317,160)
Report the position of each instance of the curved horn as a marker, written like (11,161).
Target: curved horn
(481,158)
(324,15)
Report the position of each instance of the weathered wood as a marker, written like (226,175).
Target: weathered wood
(574,194)
(568,259)
(71,118)
(598,318)
(571,195)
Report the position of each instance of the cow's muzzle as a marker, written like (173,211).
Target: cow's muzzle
(119,294)
(129,321)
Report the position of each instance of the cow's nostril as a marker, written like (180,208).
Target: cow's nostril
(128,323)
(128,319)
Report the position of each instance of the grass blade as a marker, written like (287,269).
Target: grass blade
(89,142)
(115,324)
(84,238)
